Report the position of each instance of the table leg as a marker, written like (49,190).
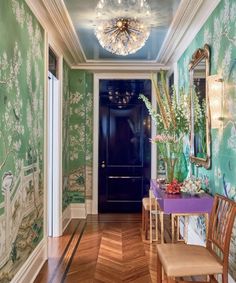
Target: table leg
(162,226)
(172,227)
(156,221)
(207,223)
(186,218)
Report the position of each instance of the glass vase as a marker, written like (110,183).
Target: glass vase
(170,169)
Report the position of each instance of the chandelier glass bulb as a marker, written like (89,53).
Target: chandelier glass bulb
(121,27)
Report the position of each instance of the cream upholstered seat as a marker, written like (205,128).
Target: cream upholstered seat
(179,260)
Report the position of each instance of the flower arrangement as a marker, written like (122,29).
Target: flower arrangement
(192,185)
(172,120)
(174,187)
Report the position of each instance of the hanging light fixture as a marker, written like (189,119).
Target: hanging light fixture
(121,26)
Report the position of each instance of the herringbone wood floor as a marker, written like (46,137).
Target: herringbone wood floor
(103,248)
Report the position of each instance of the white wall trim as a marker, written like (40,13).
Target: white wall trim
(97,77)
(126,66)
(206,9)
(66,218)
(78,210)
(65,28)
(44,18)
(55,150)
(190,17)
(33,264)
(45,154)
(184,15)
(89,206)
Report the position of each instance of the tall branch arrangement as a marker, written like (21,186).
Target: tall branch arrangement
(171,119)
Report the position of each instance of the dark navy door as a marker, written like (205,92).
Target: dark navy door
(124,146)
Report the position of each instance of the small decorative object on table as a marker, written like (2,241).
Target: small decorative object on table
(174,187)
(192,186)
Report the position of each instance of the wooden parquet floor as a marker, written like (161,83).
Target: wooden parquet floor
(104,248)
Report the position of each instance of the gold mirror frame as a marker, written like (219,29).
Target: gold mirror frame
(199,55)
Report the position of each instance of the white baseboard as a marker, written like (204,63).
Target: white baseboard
(89,205)
(66,217)
(78,210)
(33,264)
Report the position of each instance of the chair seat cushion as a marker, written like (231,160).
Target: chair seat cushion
(186,260)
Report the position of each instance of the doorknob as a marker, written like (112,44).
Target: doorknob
(103,164)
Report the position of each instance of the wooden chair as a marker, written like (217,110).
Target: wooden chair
(147,217)
(180,260)
(155,215)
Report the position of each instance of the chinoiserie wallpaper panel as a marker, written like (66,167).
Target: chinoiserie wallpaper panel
(21,135)
(65,135)
(78,181)
(219,32)
(89,135)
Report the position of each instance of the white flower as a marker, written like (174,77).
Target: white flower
(232,140)
(233,12)
(217,40)
(207,36)
(9,139)
(17,145)
(227,62)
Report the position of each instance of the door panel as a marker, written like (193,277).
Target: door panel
(124,149)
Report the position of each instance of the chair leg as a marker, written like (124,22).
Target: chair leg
(162,226)
(172,228)
(143,227)
(170,280)
(150,226)
(213,279)
(224,277)
(159,270)
(146,220)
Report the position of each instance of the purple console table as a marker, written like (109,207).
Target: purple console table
(182,204)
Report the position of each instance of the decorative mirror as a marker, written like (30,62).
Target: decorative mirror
(200,139)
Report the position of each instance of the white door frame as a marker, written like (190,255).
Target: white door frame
(55,174)
(125,76)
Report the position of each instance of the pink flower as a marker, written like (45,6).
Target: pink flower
(163,138)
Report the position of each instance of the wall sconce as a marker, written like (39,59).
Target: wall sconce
(215,86)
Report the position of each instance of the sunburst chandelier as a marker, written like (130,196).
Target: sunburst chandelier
(121,27)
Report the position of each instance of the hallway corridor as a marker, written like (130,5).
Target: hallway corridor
(103,248)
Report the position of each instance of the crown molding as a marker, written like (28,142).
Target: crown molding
(182,20)
(121,66)
(54,38)
(190,17)
(188,29)
(63,24)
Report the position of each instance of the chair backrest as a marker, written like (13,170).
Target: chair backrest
(220,227)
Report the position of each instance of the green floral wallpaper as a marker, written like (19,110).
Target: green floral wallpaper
(65,135)
(21,135)
(89,134)
(219,32)
(79,137)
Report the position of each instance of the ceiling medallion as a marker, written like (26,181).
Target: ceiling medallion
(121,27)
